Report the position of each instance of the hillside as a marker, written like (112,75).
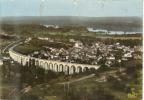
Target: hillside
(109,23)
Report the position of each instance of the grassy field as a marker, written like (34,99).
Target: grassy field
(84,89)
(26,48)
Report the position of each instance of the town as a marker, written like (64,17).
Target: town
(51,62)
(92,54)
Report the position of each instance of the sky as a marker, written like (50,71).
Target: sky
(90,8)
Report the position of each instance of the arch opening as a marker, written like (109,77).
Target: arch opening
(66,69)
(79,69)
(85,69)
(51,66)
(46,65)
(61,68)
(72,69)
(56,67)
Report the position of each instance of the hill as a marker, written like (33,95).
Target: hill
(108,23)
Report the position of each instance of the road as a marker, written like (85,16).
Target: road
(10,45)
(79,79)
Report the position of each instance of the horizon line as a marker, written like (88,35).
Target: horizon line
(74,16)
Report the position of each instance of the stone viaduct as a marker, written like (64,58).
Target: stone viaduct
(56,66)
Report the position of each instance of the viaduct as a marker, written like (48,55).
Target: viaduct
(56,66)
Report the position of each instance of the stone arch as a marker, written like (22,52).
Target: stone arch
(85,69)
(51,66)
(21,61)
(33,62)
(66,69)
(56,67)
(92,69)
(41,63)
(36,62)
(29,62)
(61,68)
(17,59)
(26,62)
(46,65)
(26,59)
(79,69)
(72,69)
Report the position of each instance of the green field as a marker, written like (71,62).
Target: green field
(88,89)
(27,49)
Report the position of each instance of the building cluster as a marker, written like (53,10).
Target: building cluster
(94,54)
(51,26)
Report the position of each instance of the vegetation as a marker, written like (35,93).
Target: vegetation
(35,30)
(120,85)
(27,48)
(125,85)
(63,42)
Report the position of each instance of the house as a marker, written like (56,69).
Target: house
(78,44)
(108,63)
(111,58)
(127,55)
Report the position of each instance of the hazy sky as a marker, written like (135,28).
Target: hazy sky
(91,8)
